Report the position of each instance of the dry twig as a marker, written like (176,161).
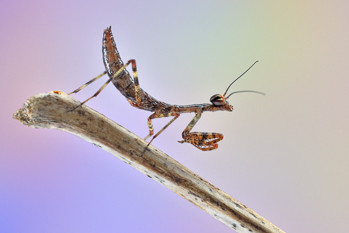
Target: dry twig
(51,110)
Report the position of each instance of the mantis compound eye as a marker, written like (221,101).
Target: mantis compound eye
(217,100)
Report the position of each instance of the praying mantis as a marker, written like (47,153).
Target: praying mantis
(137,97)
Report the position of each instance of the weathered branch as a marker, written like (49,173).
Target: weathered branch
(51,110)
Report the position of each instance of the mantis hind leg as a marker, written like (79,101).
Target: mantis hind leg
(202,140)
(88,83)
(157,115)
(135,79)
(150,125)
(97,93)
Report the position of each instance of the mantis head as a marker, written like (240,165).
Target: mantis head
(219,100)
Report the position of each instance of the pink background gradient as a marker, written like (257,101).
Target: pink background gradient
(285,155)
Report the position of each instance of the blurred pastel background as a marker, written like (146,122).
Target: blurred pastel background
(285,155)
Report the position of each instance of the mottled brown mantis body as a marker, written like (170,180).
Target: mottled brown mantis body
(137,97)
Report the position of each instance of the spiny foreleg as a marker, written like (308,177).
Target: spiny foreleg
(201,140)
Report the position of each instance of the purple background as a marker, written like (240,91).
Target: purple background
(284,155)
